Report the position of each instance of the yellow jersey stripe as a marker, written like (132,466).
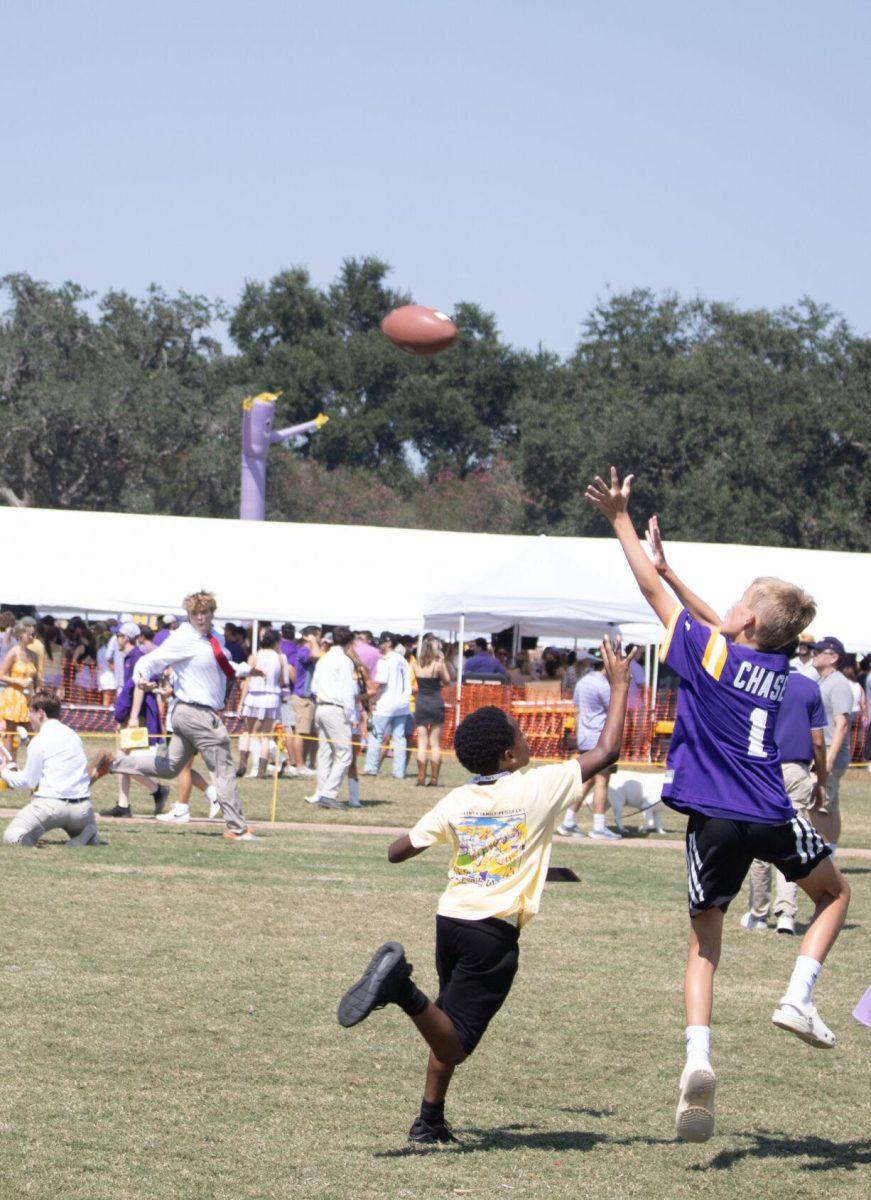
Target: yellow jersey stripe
(714,658)
(669,634)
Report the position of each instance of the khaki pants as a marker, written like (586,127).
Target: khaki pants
(194,730)
(40,815)
(799,784)
(334,749)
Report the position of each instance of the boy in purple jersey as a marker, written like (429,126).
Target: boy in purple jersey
(724,773)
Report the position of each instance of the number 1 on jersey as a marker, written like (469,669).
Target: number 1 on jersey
(756,745)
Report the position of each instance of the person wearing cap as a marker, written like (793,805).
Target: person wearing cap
(837,696)
(168,623)
(802,660)
(56,770)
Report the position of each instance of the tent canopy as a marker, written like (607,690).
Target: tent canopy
(381,578)
(550,587)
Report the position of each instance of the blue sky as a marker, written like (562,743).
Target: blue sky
(530,157)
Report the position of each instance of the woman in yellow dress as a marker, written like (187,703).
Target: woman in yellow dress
(20,673)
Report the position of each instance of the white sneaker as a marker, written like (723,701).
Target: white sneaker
(179,814)
(312,799)
(694,1120)
(748,921)
(805,1022)
(605,835)
(786,924)
(306,771)
(569,831)
(212,797)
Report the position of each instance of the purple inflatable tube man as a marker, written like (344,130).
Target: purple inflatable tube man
(257,436)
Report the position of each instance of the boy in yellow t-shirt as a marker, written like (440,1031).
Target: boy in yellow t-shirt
(499,826)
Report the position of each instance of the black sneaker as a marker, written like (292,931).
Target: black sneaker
(159,797)
(422,1133)
(117,811)
(379,984)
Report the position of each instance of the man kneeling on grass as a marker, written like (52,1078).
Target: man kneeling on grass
(499,826)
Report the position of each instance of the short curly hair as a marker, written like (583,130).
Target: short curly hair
(482,738)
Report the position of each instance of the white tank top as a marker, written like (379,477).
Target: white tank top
(269,683)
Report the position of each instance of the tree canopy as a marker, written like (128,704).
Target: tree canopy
(740,425)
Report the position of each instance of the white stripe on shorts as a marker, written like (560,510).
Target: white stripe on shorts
(697,894)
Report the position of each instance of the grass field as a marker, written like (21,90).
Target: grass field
(168,1026)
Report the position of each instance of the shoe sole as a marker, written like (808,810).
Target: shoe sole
(695,1112)
(783,1020)
(362,996)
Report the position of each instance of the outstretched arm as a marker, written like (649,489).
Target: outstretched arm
(607,749)
(613,503)
(694,605)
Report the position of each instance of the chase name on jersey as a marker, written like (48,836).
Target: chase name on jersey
(758,681)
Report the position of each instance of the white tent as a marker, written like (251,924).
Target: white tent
(549,587)
(404,579)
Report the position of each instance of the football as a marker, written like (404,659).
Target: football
(418,329)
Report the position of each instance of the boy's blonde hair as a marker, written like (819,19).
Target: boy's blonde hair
(200,602)
(782,611)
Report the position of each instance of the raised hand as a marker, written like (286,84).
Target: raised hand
(611,500)
(654,541)
(616,662)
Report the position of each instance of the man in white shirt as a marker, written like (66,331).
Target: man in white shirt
(201,673)
(392,707)
(334,685)
(56,769)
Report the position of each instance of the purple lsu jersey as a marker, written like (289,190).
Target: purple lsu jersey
(723,760)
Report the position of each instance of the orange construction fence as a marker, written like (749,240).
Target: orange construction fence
(546,719)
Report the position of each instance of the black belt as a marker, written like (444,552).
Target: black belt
(330,704)
(64,799)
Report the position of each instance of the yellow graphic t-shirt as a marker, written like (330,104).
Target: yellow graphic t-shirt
(500,835)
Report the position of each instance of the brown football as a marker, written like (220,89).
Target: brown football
(418,329)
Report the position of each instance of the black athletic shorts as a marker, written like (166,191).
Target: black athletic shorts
(476,963)
(719,854)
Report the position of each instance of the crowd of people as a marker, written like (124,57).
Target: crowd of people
(760,743)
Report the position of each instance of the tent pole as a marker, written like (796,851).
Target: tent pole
(515,642)
(255,635)
(462,636)
(655,683)
(647,665)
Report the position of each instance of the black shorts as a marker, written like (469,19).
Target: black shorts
(719,854)
(476,963)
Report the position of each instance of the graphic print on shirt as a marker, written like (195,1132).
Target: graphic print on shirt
(490,846)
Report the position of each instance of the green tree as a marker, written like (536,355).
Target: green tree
(741,426)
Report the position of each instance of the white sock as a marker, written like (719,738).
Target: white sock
(698,1042)
(353,790)
(598,822)
(569,819)
(181,808)
(211,794)
(805,973)
(253,756)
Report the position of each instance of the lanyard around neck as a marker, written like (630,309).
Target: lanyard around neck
(485,779)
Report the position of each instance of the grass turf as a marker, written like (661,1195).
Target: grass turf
(168,1026)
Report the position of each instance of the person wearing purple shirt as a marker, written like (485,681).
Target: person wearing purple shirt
(482,662)
(724,773)
(167,624)
(303,743)
(798,732)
